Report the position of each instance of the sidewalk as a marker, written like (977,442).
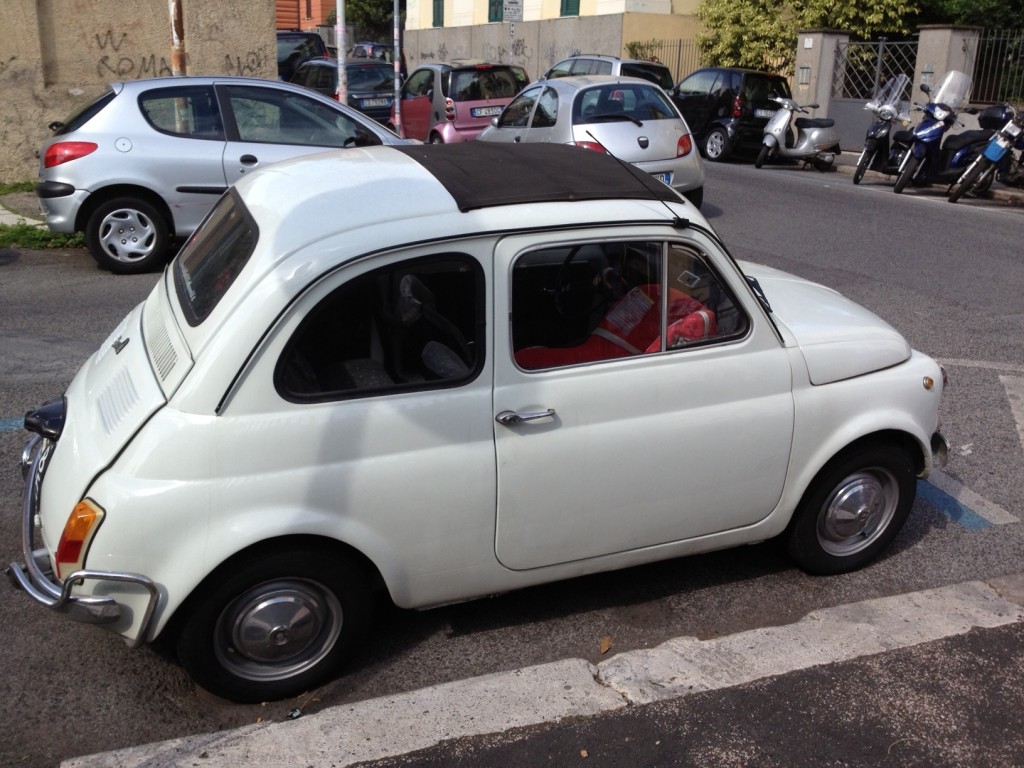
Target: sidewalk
(571,689)
(9,217)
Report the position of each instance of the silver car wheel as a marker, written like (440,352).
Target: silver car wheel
(127,235)
(278,629)
(858,511)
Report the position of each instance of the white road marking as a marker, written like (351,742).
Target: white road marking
(1015,394)
(977,504)
(396,725)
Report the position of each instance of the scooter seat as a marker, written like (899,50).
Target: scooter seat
(815,122)
(961,140)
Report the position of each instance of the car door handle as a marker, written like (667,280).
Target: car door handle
(512,418)
(248,159)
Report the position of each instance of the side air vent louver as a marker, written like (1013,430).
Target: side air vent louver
(117,400)
(158,342)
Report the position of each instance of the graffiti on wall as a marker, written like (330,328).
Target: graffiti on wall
(517,52)
(244,66)
(113,62)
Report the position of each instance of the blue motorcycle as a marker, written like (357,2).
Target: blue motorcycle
(996,162)
(930,159)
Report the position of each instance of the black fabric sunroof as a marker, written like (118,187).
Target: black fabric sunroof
(481,174)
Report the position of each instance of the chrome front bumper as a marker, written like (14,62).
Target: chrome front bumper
(36,577)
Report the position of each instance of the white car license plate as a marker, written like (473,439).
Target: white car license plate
(764,112)
(376,102)
(664,177)
(486,111)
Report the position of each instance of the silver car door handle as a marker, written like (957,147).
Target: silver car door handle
(512,418)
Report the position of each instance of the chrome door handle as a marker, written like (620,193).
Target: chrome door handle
(512,418)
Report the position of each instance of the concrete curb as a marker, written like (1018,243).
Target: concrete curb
(397,725)
(10,218)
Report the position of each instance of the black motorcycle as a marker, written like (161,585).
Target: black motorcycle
(888,138)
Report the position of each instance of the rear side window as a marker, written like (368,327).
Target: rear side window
(189,111)
(653,72)
(486,83)
(415,324)
(214,257)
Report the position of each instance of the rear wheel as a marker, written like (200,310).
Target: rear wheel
(128,236)
(907,174)
(862,165)
(274,625)
(716,145)
(763,156)
(435,138)
(853,509)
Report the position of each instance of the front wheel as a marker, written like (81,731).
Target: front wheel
(907,174)
(128,236)
(274,625)
(863,164)
(853,510)
(763,156)
(969,179)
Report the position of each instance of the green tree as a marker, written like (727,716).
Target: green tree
(761,34)
(993,14)
(371,19)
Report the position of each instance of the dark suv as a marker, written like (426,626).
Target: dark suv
(295,47)
(727,109)
(599,64)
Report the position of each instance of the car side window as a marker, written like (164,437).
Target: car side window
(517,113)
(189,111)
(415,324)
(590,302)
(561,69)
(419,83)
(546,114)
(268,115)
(701,82)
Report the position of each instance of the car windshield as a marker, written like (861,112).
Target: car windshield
(213,257)
(486,83)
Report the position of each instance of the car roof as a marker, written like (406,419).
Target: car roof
(448,190)
(578,82)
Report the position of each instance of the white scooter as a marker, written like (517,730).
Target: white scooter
(813,140)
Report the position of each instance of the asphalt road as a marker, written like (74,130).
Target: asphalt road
(949,277)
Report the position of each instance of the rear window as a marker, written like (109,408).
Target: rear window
(622,101)
(370,77)
(485,83)
(758,87)
(656,73)
(82,116)
(214,257)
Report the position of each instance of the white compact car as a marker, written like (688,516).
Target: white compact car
(477,387)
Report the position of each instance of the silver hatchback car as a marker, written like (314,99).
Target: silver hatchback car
(145,162)
(632,119)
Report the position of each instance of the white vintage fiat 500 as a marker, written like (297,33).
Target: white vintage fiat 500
(441,372)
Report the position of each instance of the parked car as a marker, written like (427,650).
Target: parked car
(146,161)
(370,86)
(295,47)
(727,109)
(450,102)
(632,119)
(371,51)
(452,388)
(599,64)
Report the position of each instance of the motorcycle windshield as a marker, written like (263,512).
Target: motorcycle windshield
(953,90)
(892,94)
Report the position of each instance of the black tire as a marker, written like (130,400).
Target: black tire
(695,196)
(274,625)
(862,166)
(763,156)
(967,181)
(853,509)
(435,138)
(716,145)
(128,236)
(906,174)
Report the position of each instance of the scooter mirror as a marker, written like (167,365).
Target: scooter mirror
(926,88)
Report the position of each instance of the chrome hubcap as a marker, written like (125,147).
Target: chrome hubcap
(278,629)
(858,511)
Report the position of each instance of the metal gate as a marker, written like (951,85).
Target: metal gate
(860,69)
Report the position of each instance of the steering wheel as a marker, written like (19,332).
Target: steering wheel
(577,298)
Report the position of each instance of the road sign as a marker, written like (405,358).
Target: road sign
(512,10)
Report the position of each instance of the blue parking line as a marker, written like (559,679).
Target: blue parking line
(950,507)
(12,425)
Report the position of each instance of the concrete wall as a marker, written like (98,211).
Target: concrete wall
(536,45)
(59,54)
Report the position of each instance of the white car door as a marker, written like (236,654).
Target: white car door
(603,450)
